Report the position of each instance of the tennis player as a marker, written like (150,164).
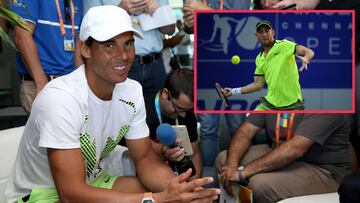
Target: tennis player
(276,66)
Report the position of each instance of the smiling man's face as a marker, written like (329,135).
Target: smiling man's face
(111,60)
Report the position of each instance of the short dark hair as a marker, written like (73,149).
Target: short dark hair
(89,41)
(180,81)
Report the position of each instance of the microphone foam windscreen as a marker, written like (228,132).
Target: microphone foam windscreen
(166,134)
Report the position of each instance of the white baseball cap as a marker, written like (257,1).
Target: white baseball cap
(105,22)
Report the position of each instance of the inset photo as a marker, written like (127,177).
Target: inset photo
(267,61)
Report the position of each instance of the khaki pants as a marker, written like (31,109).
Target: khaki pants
(296,179)
(27,94)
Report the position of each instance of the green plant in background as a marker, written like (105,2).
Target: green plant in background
(12,18)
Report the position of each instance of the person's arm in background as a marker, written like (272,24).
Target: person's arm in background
(281,156)
(188,10)
(190,5)
(152,6)
(168,29)
(131,6)
(239,145)
(173,41)
(26,45)
(300,4)
(134,6)
(257,85)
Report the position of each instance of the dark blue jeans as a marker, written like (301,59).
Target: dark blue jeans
(209,134)
(151,76)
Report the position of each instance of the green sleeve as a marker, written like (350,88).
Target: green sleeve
(259,70)
(289,47)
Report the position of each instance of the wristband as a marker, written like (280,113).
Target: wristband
(236,91)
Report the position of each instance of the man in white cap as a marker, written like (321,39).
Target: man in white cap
(78,119)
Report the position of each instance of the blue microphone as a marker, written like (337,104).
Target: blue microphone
(167,136)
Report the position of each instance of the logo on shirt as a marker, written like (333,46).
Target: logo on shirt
(86,119)
(276,53)
(88,149)
(107,180)
(130,103)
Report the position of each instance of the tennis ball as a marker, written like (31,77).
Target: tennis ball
(235,59)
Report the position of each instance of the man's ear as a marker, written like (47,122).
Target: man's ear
(164,94)
(273,33)
(85,50)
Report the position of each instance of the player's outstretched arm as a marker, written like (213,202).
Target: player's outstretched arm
(257,85)
(305,55)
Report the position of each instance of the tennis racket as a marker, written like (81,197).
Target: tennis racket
(224,99)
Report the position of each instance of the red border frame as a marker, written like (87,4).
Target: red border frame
(276,11)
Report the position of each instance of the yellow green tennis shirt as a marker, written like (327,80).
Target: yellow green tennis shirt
(281,73)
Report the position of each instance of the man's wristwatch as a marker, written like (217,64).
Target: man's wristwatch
(242,179)
(147,198)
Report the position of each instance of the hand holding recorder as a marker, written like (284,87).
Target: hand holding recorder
(167,136)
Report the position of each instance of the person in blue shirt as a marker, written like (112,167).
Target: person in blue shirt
(50,50)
